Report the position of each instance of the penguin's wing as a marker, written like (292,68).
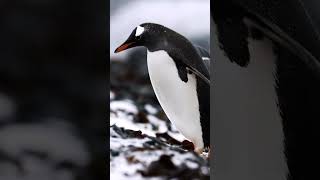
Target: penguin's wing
(192,63)
(204,54)
(289,23)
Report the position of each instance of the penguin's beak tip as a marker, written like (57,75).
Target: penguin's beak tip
(118,50)
(123,47)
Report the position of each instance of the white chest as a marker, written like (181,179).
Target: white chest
(246,116)
(177,98)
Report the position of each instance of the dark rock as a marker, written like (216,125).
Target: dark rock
(162,167)
(187,145)
(127,133)
(141,117)
(168,138)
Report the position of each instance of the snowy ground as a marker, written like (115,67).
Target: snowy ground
(144,146)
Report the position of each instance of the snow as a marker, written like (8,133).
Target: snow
(128,156)
(125,105)
(112,95)
(150,109)
(122,114)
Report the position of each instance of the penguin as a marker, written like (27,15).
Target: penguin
(266,89)
(179,77)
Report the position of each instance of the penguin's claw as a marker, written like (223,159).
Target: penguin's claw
(205,154)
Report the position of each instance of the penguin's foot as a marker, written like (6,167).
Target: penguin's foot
(198,150)
(204,153)
(209,153)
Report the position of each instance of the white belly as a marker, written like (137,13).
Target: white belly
(178,99)
(249,142)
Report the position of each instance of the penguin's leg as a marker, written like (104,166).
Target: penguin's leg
(197,144)
(198,150)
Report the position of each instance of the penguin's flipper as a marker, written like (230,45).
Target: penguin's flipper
(289,23)
(197,68)
(272,31)
(182,71)
(197,73)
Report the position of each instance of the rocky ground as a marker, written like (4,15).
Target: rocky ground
(143,142)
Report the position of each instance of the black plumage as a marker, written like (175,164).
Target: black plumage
(293,26)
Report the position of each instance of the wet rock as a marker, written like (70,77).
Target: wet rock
(127,133)
(137,154)
(164,167)
(187,145)
(141,117)
(165,136)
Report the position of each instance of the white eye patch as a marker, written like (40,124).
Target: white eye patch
(139,30)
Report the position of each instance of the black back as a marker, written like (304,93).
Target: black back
(203,91)
(294,28)
(180,49)
(287,22)
(204,98)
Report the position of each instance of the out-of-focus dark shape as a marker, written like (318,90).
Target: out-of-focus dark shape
(53,94)
(293,28)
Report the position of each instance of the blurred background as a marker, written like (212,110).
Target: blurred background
(53,81)
(143,142)
(191,18)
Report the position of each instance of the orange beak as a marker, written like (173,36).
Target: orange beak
(123,47)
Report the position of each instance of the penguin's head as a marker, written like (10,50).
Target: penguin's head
(150,35)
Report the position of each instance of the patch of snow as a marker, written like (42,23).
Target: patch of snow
(205,170)
(176,135)
(126,121)
(112,95)
(122,115)
(150,109)
(145,158)
(124,105)
(192,164)
(160,124)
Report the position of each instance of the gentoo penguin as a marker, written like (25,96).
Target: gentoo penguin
(266,89)
(179,77)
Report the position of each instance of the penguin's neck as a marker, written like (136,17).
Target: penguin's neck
(246,113)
